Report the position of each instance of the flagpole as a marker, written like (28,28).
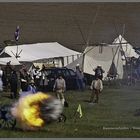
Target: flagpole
(17,50)
(16,39)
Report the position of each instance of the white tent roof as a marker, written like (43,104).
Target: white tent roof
(100,55)
(127,48)
(104,56)
(5,60)
(77,61)
(38,51)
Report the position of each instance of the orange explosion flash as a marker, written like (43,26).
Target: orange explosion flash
(27,110)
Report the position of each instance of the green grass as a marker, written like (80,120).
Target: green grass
(116,109)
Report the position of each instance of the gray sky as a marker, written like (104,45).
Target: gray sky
(70,23)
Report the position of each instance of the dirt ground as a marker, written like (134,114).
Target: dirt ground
(64,22)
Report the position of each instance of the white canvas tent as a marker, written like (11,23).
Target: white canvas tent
(77,61)
(100,55)
(39,51)
(127,48)
(104,56)
(5,60)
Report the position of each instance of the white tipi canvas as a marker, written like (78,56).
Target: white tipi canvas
(128,49)
(104,56)
(100,55)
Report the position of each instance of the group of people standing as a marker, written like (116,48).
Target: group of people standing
(33,80)
(96,84)
(22,80)
(36,79)
(40,77)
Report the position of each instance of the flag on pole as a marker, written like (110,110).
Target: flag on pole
(17,33)
(79,110)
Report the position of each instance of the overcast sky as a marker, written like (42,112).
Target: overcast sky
(70,24)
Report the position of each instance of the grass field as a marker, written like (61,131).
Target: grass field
(113,116)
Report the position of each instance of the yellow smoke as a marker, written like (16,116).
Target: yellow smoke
(27,110)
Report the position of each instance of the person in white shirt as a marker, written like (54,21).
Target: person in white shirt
(43,80)
(96,87)
(1,83)
(37,76)
(99,72)
(60,87)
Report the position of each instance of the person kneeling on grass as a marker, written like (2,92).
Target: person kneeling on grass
(96,87)
(60,87)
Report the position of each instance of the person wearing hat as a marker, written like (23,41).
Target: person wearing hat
(1,80)
(7,73)
(37,76)
(32,87)
(60,87)
(24,78)
(14,84)
(96,88)
(79,78)
(99,72)
(43,79)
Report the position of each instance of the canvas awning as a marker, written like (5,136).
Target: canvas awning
(38,51)
(12,60)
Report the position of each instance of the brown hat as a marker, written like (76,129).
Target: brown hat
(32,82)
(77,65)
(99,66)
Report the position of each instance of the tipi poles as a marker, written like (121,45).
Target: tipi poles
(86,42)
(120,44)
(131,72)
(93,22)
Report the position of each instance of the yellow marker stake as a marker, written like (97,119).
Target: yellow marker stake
(79,110)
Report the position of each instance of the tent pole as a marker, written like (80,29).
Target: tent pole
(62,61)
(120,43)
(83,62)
(17,52)
(80,32)
(93,22)
(86,41)
(131,71)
